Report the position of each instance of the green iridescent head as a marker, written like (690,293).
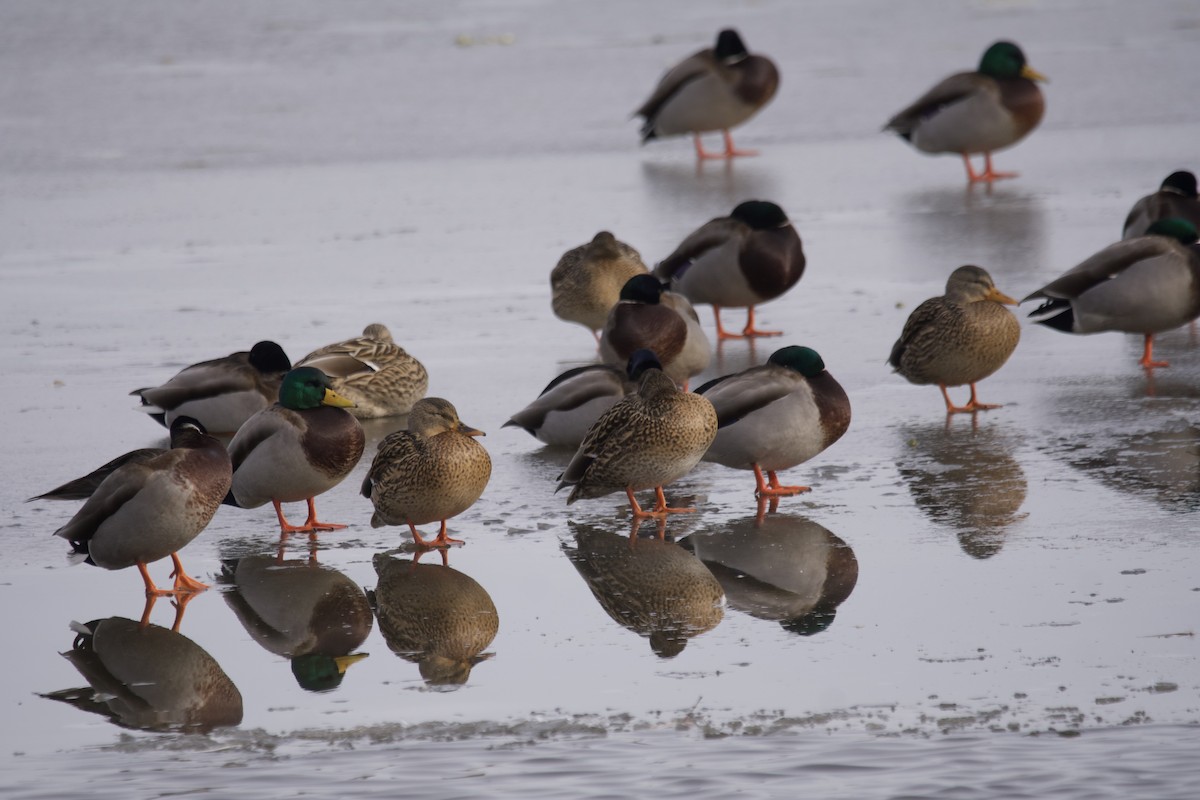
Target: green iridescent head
(308,387)
(804,360)
(1175,228)
(1005,61)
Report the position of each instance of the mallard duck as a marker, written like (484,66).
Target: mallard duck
(776,416)
(742,260)
(311,614)
(149,678)
(649,317)
(431,472)
(649,439)
(434,615)
(296,449)
(1144,285)
(977,112)
(781,568)
(586,283)
(715,89)
(571,403)
(656,589)
(373,372)
(144,511)
(222,393)
(959,338)
(1175,198)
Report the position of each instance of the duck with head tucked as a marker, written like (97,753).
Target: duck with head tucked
(147,510)
(715,89)
(649,317)
(983,111)
(776,416)
(959,338)
(220,394)
(433,471)
(647,440)
(298,448)
(742,260)
(373,372)
(1176,197)
(1145,285)
(586,283)
(565,410)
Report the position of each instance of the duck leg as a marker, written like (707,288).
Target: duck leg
(1148,355)
(773,488)
(731,151)
(661,509)
(988,175)
(311,524)
(151,589)
(750,330)
(723,334)
(442,540)
(184,583)
(972,405)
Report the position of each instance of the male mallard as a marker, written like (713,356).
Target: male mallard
(776,416)
(147,510)
(586,283)
(311,614)
(1144,285)
(977,112)
(434,615)
(373,372)
(747,258)
(571,403)
(958,338)
(715,89)
(150,678)
(222,393)
(296,449)
(431,472)
(650,438)
(649,317)
(1175,198)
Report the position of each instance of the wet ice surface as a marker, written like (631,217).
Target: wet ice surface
(1029,571)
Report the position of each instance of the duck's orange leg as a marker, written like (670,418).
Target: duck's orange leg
(733,152)
(441,540)
(773,488)
(972,405)
(1148,355)
(151,589)
(184,583)
(750,330)
(988,175)
(723,334)
(701,153)
(311,524)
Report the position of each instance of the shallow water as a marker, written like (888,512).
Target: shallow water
(999,583)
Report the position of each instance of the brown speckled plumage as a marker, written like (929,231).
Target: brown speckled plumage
(959,338)
(652,587)
(648,439)
(377,374)
(434,615)
(587,281)
(431,472)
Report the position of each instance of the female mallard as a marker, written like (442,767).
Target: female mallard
(431,472)
(147,510)
(977,112)
(373,372)
(434,615)
(1144,285)
(742,260)
(649,439)
(587,281)
(222,393)
(649,317)
(571,403)
(959,338)
(715,89)
(776,416)
(1175,198)
(300,447)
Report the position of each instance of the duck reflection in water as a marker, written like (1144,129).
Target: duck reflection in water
(779,567)
(311,614)
(1163,465)
(435,616)
(966,479)
(651,586)
(150,678)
